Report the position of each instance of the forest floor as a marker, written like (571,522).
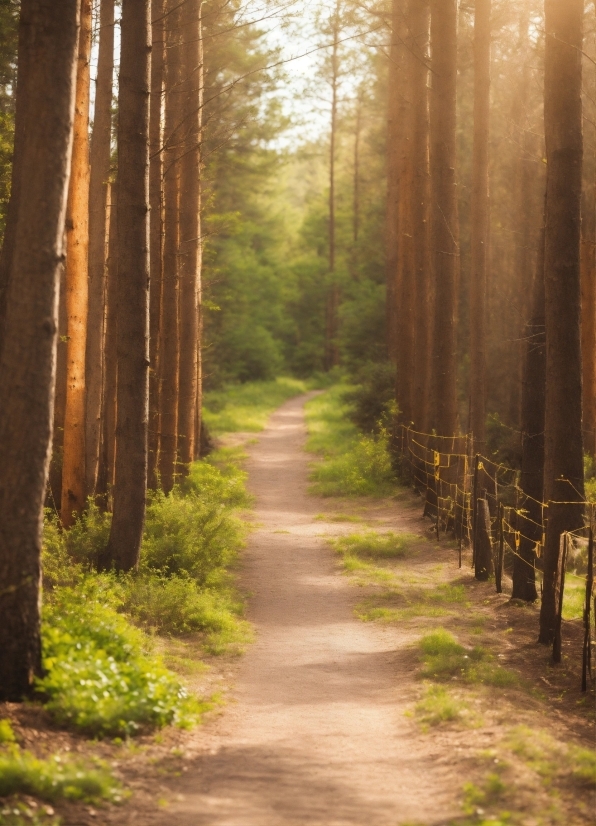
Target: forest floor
(338,715)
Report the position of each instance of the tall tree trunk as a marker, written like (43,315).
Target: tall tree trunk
(395,134)
(444,228)
(199,402)
(332,301)
(100,161)
(108,439)
(356,186)
(588,266)
(480,222)
(130,478)
(44,120)
(55,479)
(77,249)
(564,476)
(170,330)
(190,230)
(423,298)
(156,225)
(529,518)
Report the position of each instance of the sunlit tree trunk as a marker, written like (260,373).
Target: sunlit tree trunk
(130,478)
(332,301)
(480,222)
(190,230)
(395,133)
(44,120)
(100,158)
(199,427)
(77,250)
(170,331)
(156,225)
(444,229)
(563,476)
(423,288)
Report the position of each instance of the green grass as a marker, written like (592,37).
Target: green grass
(338,517)
(351,464)
(574,596)
(551,759)
(438,601)
(373,545)
(246,407)
(438,706)
(444,658)
(56,778)
(17,813)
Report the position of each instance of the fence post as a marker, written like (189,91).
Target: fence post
(500,553)
(587,612)
(559,619)
(474,507)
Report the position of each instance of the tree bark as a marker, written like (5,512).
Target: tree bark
(444,228)
(423,292)
(100,163)
(530,516)
(480,222)
(77,249)
(156,226)
(130,478)
(190,231)
(170,329)
(395,133)
(564,477)
(332,301)
(48,36)
(108,439)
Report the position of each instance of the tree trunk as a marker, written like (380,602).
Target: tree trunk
(44,120)
(332,305)
(199,427)
(423,298)
(395,136)
(77,248)
(170,330)
(483,552)
(588,270)
(564,477)
(190,230)
(444,229)
(156,226)
(530,515)
(100,162)
(130,478)
(108,452)
(480,222)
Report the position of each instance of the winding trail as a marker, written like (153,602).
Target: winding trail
(318,734)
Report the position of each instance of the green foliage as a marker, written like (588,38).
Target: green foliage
(551,759)
(352,465)
(372,545)
(57,778)
(438,706)
(189,534)
(444,658)
(246,407)
(6,732)
(373,397)
(177,605)
(99,675)
(16,813)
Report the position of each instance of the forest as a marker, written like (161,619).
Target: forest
(297,334)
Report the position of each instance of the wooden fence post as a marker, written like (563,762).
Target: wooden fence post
(587,612)
(500,553)
(561,589)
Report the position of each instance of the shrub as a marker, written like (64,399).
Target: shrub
(99,677)
(363,470)
(56,778)
(189,534)
(176,605)
(373,397)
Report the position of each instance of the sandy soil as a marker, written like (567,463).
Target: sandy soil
(318,732)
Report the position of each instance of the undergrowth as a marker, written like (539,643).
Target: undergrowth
(444,659)
(59,777)
(246,407)
(102,675)
(351,464)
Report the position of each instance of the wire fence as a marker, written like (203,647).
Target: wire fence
(481,503)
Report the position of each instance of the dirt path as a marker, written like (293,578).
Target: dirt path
(318,733)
